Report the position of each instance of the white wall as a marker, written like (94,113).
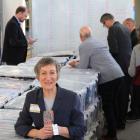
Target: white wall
(56,24)
(9,7)
(137,16)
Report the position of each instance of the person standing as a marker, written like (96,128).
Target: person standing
(119,42)
(95,55)
(15,42)
(134,72)
(130,24)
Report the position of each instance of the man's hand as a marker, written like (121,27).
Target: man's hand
(73,63)
(31,40)
(63,131)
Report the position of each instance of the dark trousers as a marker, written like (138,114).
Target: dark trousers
(135,100)
(123,99)
(12,63)
(113,103)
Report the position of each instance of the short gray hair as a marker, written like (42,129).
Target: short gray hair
(130,20)
(85,32)
(46,61)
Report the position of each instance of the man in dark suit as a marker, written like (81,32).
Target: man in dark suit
(15,42)
(119,42)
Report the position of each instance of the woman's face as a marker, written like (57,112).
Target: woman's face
(48,77)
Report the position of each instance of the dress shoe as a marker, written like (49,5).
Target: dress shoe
(106,137)
(131,117)
(121,127)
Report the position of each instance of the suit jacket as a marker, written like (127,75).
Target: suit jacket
(15,43)
(134,38)
(67,112)
(96,55)
(120,45)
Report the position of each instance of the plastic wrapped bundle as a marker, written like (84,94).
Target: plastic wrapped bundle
(33,61)
(85,72)
(17,71)
(18,84)
(9,114)
(81,75)
(88,119)
(90,83)
(77,78)
(16,103)
(91,93)
(58,53)
(8,93)
(7,131)
(61,60)
(91,117)
(7,121)
(3,100)
(87,92)
(30,62)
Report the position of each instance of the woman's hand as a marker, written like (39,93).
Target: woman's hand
(45,132)
(63,131)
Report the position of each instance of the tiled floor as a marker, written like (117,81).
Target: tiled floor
(132,131)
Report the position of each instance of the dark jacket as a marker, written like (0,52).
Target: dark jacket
(120,45)
(134,38)
(15,43)
(67,112)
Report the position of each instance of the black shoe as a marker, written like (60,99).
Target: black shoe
(131,117)
(121,127)
(106,137)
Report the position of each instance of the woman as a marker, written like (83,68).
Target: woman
(63,104)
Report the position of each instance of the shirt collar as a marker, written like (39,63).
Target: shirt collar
(18,20)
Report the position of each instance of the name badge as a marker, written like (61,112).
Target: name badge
(34,108)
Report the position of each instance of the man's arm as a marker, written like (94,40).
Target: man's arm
(112,42)
(84,58)
(83,63)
